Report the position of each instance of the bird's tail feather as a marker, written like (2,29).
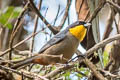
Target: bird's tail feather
(22,63)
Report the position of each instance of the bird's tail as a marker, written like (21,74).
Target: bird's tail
(21,63)
(43,59)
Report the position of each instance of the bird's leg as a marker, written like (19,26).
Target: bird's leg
(78,56)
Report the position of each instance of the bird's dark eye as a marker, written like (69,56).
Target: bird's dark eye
(82,23)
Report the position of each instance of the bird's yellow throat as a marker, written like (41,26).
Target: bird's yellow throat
(78,31)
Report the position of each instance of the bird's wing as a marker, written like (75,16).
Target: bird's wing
(57,38)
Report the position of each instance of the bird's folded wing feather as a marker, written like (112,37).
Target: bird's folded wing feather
(57,38)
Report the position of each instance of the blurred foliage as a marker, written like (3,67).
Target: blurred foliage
(67,75)
(9,14)
(105,58)
(84,71)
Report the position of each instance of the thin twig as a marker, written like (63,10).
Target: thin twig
(107,73)
(92,67)
(15,71)
(65,15)
(100,6)
(59,70)
(35,28)
(114,5)
(5,61)
(116,25)
(57,15)
(102,44)
(15,29)
(34,75)
(22,53)
(42,18)
(1,31)
(1,37)
(23,73)
(80,7)
(109,27)
(18,44)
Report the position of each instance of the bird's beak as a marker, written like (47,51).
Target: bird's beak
(87,24)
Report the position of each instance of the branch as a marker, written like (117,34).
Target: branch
(4,61)
(109,27)
(52,28)
(18,44)
(92,67)
(65,15)
(42,18)
(107,73)
(57,15)
(23,73)
(35,27)
(15,71)
(117,26)
(100,6)
(34,75)
(0,31)
(59,70)
(114,5)
(16,28)
(102,44)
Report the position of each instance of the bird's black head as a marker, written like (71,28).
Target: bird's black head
(85,24)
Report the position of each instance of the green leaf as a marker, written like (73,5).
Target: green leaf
(105,58)
(9,25)
(67,75)
(8,14)
(86,72)
(79,75)
(37,66)
(53,67)
(17,11)
(82,69)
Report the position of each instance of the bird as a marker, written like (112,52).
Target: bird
(61,47)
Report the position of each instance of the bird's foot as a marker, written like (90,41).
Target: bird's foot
(59,64)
